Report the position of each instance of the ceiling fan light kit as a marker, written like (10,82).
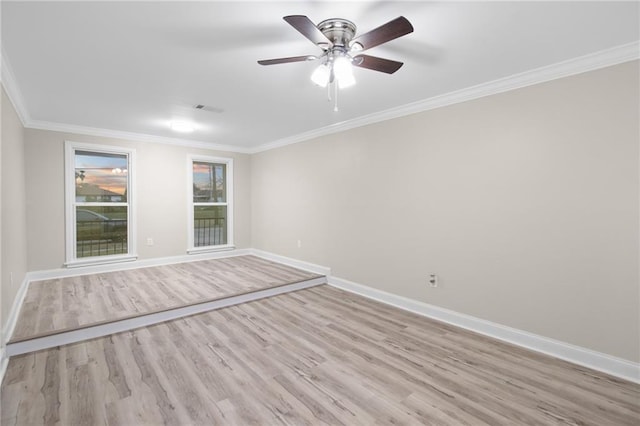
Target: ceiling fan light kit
(335,37)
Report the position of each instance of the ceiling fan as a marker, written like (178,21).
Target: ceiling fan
(341,51)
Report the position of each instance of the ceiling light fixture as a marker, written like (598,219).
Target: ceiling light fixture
(182,126)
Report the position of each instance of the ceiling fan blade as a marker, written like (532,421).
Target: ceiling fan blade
(377,64)
(309,30)
(384,33)
(287,60)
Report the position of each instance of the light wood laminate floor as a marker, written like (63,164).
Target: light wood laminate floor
(316,356)
(68,303)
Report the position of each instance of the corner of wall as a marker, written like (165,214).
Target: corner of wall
(13,253)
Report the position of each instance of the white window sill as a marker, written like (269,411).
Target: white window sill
(210,249)
(91,261)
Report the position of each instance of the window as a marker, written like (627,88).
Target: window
(210,203)
(98,204)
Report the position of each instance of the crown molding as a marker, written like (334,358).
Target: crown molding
(593,61)
(11,88)
(15,96)
(131,136)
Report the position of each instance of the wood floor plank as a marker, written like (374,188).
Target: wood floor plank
(316,356)
(69,303)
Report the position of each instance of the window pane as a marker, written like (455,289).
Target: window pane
(209,225)
(209,182)
(101,177)
(101,231)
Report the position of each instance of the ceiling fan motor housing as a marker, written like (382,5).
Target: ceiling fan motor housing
(339,31)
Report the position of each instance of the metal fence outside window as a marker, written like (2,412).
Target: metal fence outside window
(101,238)
(209,232)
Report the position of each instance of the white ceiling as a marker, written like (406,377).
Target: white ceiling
(134,66)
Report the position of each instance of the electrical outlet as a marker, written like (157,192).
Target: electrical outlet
(433,280)
(149,242)
(299,243)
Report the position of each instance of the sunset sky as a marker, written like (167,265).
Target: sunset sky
(201,173)
(107,171)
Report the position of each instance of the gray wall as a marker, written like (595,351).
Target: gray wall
(524,203)
(14,225)
(160,196)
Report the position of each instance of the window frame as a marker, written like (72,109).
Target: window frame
(228,162)
(71,204)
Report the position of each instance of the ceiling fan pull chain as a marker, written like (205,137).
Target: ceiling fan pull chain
(329,92)
(335,107)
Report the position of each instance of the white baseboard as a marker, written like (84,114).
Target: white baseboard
(13,314)
(578,355)
(136,264)
(10,325)
(299,264)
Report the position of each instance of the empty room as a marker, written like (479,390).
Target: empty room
(306,213)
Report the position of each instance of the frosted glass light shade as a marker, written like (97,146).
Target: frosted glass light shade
(341,67)
(346,80)
(343,71)
(321,75)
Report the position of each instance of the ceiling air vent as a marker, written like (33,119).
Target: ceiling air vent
(208,108)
